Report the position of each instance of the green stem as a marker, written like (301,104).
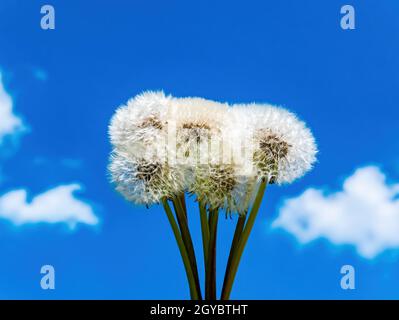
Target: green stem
(205,230)
(231,273)
(182,249)
(234,246)
(182,199)
(188,242)
(210,285)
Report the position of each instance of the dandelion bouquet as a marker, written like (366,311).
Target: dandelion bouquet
(223,156)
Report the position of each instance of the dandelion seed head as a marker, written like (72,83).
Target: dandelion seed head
(214,185)
(139,127)
(144,181)
(284,149)
(198,122)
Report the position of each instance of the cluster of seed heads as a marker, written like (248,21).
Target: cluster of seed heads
(145,164)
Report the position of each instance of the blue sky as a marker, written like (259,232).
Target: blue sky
(65,84)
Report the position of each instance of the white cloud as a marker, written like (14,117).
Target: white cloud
(57,205)
(365,214)
(9,123)
(53,206)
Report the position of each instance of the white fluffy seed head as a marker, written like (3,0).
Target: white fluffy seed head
(222,187)
(198,123)
(214,185)
(283,148)
(144,181)
(139,164)
(139,127)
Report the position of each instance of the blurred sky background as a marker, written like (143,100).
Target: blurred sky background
(63,86)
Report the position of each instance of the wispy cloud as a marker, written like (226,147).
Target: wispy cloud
(10,124)
(39,74)
(365,214)
(72,163)
(57,205)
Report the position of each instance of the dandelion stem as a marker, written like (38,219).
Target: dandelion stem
(182,199)
(182,249)
(205,230)
(188,242)
(210,285)
(234,246)
(231,273)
